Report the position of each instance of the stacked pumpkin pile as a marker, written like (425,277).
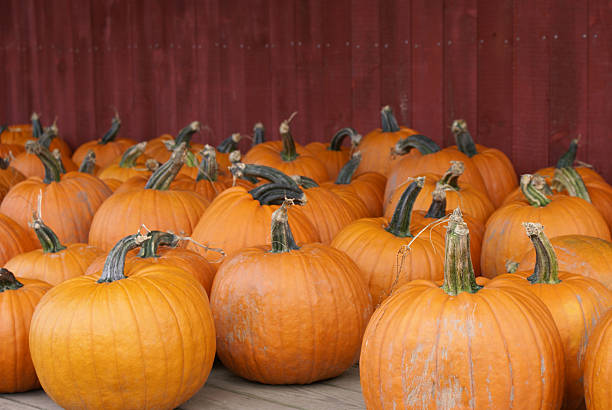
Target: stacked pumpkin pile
(128,265)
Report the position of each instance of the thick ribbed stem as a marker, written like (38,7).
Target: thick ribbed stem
(534,196)
(304,182)
(165,174)
(5,162)
(458,270)
(89,163)
(336,142)
(274,194)
(186,133)
(115,261)
(571,180)
(148,249)
(463,138)
(242,170)
(546,269)
(230,143)
(207,170)
(568,158)
(289,152)
(345,176)
(437,209)
(389,123)
(52,168)
(37,129)
(424,144)
(48,239)
(282,237)
(8,281)
(112,131)
(258,134)
(58,158)
(400,221)
(451,177)
(48,135)
(129,157)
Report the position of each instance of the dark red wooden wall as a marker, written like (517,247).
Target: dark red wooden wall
(527,75)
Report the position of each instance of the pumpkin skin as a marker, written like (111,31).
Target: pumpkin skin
(14,239)
(144,341)
(9,177)
(8,149)
(297,317)
(158,150)
(130,164)
(333,154)
(496,348)
(17,134)
(598,367)
(16,310)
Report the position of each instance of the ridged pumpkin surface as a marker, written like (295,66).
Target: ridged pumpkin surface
(598,366)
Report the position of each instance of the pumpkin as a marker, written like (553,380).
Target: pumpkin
(69,201)
(106,148)
(150,206)
(567,160)
(161,147)
(17,134)
(388,251)
(561,214)
(9,176)
(130,164)
(376,146)
(333,154)
(579,254)
(207,183)
(494,166)
(143,341)
(575,302)
(287,156)
(7,150)
(14,239)
(18,299)
(54,263)
(461,345)
(311,308)
(598,366)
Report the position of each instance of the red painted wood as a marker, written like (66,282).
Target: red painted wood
(10,59)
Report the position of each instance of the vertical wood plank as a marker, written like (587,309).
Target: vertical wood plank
(24,102)
(163,86)
(10,70)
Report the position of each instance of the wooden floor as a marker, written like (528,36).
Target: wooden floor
(223,390)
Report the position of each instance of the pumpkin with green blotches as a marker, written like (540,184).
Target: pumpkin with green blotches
(333,154)
(146,340)
(598,366)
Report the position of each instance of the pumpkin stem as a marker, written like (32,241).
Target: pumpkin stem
(48,239)
(400,221)
(36,126)
(230,143)
(208,170)
(571,180)
(567,159)
(437,209)
(289,152)
(5,162)
(115,261)
(534,196)
(282,237)
(451,177)
(304,182)
(338,138)
(148,249)
(463,138)
(129,157)
(112,131)
(511,266)
(389,123)
(52,168)
(275,194)
(3,128)
(8,281)
(240,170)
(165,174)
(48,135)
(258,134)
(186,133)
(89,163)
(424,144)
(546,269)
(58,158)
(458,270)
(345,175)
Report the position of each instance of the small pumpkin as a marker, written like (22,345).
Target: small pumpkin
(333,154)
(131,163)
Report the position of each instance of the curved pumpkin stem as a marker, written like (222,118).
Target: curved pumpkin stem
(458,270)
(115,261)
(48,239)
(112,131)
(89,163)
(567,159)
(437,209)
(148,249)
(451,177)
(424,144)
(258,134)
(52,168)
(345,176)
(8,281)
(207,169)
(165,174)
(129,157)
(274,194)
(37,129)
(546,268)
(571,180)
(241,170)
(289,152)
(336,142)
(304,182)
(186,133)
(282,237)
(388,121)
(463,138)
(230,143)
(400,221)
(534,196)
(47,136)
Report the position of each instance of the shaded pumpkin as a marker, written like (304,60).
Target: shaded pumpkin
(333,154)
(598,366)
(9,176)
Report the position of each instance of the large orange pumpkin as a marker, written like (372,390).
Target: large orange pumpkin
(143,341)
(461,345)
(297,316)
(18,299)
(333,154)
(598,366)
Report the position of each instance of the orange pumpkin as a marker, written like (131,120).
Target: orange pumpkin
(14,239)
(17,134)
(161,147)
(333,154)
(130,164)
(598,366)
(9,176)
(207,183)
(297,317)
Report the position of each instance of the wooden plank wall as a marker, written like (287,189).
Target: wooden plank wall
(526,75)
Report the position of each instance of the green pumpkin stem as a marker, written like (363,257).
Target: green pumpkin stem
(58,158)
(282,237)
(165,174)
(289,152)
(241,170)
(48,239)
(52,168)
(511,266)
(37,129)
(3,128)
(546,268)
(422,143)
(336,142)
(463,138)
(345,176)
(8,281)
(305,182)
(534,196)
(5,162)
(148,249)
(275,194)
(88,164)
(458,270)
(185,134)
(112,131)
(451,177)
(229,144)
(567,159)
(207,169)
(115,261)
(400,221)
(129,157)
(258,134)
(48,135)
(388,121)
(570,179)
(437,209)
